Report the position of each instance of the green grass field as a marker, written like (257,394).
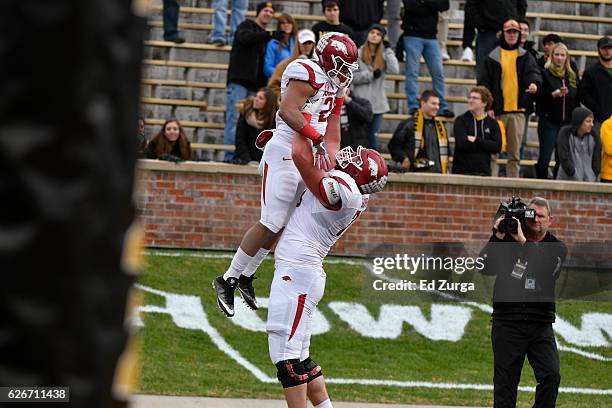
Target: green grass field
(180,361)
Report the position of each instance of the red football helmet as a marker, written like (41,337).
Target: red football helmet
(338,57)
(366,166)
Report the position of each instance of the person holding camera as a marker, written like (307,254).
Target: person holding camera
(526,260)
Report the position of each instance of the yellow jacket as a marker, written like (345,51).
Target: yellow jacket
(606,151)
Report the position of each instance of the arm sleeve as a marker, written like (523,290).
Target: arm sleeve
(564,153)
(472,7)
(460,131)
(242,151)
(533,74)
(492,255)
(246,35)
(521,7)
(402,142)
(437,5)
(586,91)
(270,58)
(392,65)
(363,74)
(151,147)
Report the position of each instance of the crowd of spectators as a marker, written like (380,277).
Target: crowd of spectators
(514,81)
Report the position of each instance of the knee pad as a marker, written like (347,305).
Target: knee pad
(312,369)
(291,373)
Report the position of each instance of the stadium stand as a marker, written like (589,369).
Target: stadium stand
(187,81)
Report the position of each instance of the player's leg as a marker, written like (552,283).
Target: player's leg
(278,197)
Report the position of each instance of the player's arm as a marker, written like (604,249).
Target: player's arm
(323,187)
(290,109)
(332,133)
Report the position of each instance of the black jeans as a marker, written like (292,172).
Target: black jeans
(171,16)
(512,341)
(547,136)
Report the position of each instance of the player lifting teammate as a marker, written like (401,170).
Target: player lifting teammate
(299,280)
(312,93)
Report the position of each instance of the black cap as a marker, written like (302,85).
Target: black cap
(604,42)
(378,27)
(262,5)
(552,38)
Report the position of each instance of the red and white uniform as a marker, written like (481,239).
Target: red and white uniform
(299,279)
(281,180)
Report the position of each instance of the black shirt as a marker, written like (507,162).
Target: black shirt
(323,27)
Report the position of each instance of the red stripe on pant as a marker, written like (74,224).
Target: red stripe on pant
(298,314)
(265,177)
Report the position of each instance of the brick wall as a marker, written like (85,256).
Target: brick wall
(204,205)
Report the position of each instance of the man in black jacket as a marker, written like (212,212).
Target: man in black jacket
(526,263)
(488,16)
(331,12)
(245,73)
(420,25)
(512,75)
(477,135)
(595,90)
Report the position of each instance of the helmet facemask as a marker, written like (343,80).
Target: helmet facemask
(342,74)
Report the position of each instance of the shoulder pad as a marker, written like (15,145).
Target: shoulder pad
(305,70)
(329,189)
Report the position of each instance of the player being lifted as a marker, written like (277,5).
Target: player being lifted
(299,280)
(312,93)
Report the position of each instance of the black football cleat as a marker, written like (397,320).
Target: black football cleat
(225,294)
(247,291)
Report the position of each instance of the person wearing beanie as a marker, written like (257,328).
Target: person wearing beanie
(375,61)
(606,145)
(331,12)
(579,148)
(245,72)
(595,90)
(512,75)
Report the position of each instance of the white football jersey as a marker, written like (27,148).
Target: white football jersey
(313,229)
(317,108)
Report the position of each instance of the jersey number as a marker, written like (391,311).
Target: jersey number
(325,112)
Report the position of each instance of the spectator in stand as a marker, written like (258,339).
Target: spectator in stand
(284,46)
(525,42)
(579,148)
(375,61)
(394,21)
(596,87)
(331,12)
(171,15)
(141,139)
(306,45)
(548,42)
(258,113)
(355,118)
(511,74)
(606,157)
(477,135)
(245,73)
(170,143)
(420,27)
(420,143)
(557,99)
(360,15)
(239,8)
(443,34)
(488,16)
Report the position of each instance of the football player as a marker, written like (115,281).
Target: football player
(299,280)
(311,99)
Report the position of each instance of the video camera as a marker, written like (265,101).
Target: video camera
(513,210)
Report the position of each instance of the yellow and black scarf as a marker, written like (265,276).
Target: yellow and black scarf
(419,138)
